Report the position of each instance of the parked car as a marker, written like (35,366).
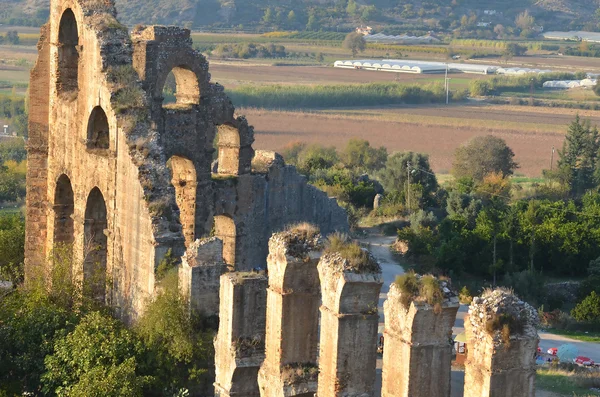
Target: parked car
(553,351)
(582,360)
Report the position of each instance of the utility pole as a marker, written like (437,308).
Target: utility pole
(447,84)
(408,185)
(552,158)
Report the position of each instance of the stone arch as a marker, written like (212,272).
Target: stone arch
(228,145)
(95,245)
(185,182)
(63,211)
(187,86)
(226,230)
(98,136)
(68,54)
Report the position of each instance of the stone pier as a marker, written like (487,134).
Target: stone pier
(417,351)
(502,341)
(350,285)
(200,274)
(240,342)
(293,299)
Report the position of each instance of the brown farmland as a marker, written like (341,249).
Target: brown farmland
(530,133)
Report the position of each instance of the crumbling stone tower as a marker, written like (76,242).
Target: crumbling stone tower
(119,178)
(502,339)
(418,351)
(293,300)
(349,319)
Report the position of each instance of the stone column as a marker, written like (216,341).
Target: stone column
(417,352)
(200,274)
(293,300)
(349,320)
(240,342)
(501,346)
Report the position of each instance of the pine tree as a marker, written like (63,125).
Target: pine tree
(578,160)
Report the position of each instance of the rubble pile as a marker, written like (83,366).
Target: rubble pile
(298,241)
(502,302)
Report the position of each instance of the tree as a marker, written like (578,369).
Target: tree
(355,42)
(268,17)
(579,157)
(316,157)
(481,156)
(99,358)
(351,8)
(360,156)
(312,23)
(12,37)
(514,50)
(597,88)
(291,18)
(524,21)
(588,310)
(369,13)
(395,175)
(499,30)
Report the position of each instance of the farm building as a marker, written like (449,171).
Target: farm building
(593,37)
(565,84)
(409,66)
(520,71)
(400,39)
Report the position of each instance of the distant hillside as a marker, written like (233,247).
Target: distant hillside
(384,15)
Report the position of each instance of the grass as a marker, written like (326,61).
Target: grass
(577,335)
(426,288)
(562,382)
(357,259)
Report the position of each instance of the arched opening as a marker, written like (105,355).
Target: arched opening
(98,130)
(68,54)
(63,212)
(95,246)
(185,182)
(225,230)
(228,144)
(181,88)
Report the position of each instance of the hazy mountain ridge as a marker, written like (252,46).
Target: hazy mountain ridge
(249,13)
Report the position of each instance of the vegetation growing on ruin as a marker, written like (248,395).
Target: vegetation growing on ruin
(299,373)
(302,237)
(507,324)
(414,288)
(354,258)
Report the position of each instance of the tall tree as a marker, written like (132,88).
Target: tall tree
(578,159)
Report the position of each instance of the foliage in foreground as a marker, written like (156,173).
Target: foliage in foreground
(58,341)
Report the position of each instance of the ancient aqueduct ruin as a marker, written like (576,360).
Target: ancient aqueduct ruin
(124,180)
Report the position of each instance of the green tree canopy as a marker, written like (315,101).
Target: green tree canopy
(482,156)
(588,310)
(97,359)
(355,42)
(361,156)
(394,176)
(578,159)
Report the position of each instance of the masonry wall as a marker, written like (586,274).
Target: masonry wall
(240,342)
(418,354)
(99,127)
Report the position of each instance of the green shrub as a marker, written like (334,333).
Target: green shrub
(464,296)
(588,310)
(507,324)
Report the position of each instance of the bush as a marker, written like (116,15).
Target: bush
(97,359)
(426,288)
(464,296)
(588,310)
